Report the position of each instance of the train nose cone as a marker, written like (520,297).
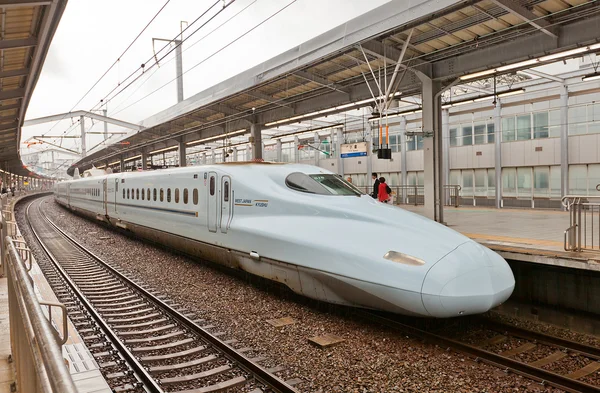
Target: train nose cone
(469,280)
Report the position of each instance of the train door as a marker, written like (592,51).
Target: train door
(105,196)
(226,198)
(116,193)
(212,202)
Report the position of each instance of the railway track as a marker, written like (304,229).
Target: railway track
(140,342)
(506,347)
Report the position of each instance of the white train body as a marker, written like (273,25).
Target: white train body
(345,249)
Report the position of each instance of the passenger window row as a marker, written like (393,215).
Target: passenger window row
(87,191)
(135,193)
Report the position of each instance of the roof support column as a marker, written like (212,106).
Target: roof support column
(234,154)
(432,141)
(249,152)
(203,158)
(403,158)
(369,151)
(296,151)
(144,160)
(121,164)
(83,146)
(445,155)
(317,142)
(564,141)
(256,141)
(338,147)
(278,150)
(181,150)
(498,152)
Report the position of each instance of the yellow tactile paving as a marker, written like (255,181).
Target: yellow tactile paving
(508,239)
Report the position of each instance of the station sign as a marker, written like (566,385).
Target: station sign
(358,149)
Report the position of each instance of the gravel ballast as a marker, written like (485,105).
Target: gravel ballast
(371,359)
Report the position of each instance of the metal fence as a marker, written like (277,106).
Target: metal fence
(415,195)
(35,343)
(583,233)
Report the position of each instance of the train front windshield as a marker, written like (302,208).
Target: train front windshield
(323,184)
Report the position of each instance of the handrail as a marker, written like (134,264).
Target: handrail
(34,342)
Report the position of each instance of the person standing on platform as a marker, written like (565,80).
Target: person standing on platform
(384,191)
(375,186)
(349,180)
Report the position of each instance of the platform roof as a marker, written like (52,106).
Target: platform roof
(449,39)
(26,31)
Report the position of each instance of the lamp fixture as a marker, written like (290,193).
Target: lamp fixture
(591,77)
(222,136)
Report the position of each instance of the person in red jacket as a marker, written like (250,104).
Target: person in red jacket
(384,191)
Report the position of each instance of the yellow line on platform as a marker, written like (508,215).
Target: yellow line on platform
(508,239)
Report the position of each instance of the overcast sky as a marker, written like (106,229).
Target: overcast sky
(92,34)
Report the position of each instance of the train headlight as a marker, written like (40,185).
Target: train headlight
(399,257)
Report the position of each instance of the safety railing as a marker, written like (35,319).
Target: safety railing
(583,233)
(36,345)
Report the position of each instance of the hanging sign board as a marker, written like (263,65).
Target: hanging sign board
(358,149)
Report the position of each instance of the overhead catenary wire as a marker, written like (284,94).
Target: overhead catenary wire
(214,53)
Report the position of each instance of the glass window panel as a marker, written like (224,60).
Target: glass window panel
(185,196)
(540,125)
(454,177)
(541,181)
(453,137)
(419,142)
(168,195)
(467,183)
(508,129)
(524,182)
(578,179)
(177,195)
(154,194)
(411,178)
(212,185)
(395,179)
(480,182)
(594,127)
(509,182)
(491,182)
(143,194)
(410,143)
(594,178)
(148,193)
(420,178)
(577,120)
(480,131)
(195,196)
(162,194)
(467,135)
(524,127)
(555,181)
(491,135)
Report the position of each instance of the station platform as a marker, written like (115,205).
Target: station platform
(525,235)
(82,366)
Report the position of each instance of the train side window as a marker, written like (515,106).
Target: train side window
(177,195)
(195,196)
(123,193)
(212,185)
(226,191)
(148,193)
(154,195)
(143,194)
(162,194)
(128,190)
(185,196)
(137,193)
(168,195)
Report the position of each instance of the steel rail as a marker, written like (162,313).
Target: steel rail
(586,350)
(524,369)
(261,374)
(141,373)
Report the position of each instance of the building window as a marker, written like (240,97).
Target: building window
(467,183)
(177,195)
(540,125)
(185,196)
(491,183)
(480,131)
(467,135)
(541,181)
(480,183)
(524,127)
(453,137)
(195,196)
(524,183)
(508,129)
(555,189)
(509,182)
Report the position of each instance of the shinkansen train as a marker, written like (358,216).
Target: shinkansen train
(305,227)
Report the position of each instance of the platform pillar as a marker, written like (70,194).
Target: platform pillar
(83,145)
(256,141)
(181,150)
(403,158)
(144,160)
(249,152)
(564,141)
(338,147)
(121,164)
(445,155)
(369,132)
(498,152)
(234,154)
(432,146)
(296,151)
(278,150)
(316,144)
